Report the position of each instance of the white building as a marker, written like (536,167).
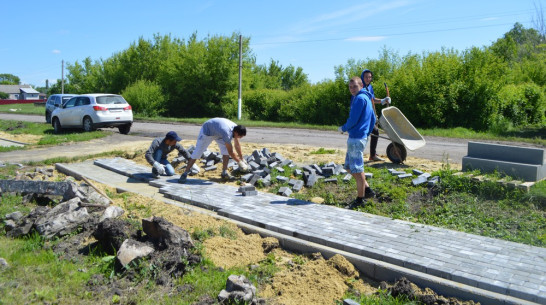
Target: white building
(20,92)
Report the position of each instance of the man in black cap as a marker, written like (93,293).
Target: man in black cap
(158,151)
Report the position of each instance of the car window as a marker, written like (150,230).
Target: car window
(50,100)
(70,103)
(86,101)
(65,98)
(111,99)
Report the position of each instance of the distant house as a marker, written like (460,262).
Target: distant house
(20,92)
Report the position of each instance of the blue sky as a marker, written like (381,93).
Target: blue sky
(316,35)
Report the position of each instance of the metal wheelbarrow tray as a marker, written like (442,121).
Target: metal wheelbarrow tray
(401,132)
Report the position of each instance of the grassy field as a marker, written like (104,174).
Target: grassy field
(531,134)
(46,134)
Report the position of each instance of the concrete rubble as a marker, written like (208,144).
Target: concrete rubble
(239,290)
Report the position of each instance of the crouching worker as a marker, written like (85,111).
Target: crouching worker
(360,124)
(158,151)
(222,131)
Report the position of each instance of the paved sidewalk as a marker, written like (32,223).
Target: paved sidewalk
(495,265)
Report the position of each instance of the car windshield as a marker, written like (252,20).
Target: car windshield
(111,99)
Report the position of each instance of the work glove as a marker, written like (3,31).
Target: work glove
(386,100)
(160,168)
(340,129)
(243,167)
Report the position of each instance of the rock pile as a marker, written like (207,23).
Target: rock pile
(239,290)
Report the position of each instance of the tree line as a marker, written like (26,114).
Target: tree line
(490,87)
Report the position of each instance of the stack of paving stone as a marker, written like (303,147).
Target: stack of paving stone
(421,178)
(261,164)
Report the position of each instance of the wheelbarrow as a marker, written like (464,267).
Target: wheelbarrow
(401,133)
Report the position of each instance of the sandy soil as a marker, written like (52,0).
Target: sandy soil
(24,138)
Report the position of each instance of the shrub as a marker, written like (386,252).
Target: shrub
(145,97)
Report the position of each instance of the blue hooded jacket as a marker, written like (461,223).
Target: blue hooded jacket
(361,116)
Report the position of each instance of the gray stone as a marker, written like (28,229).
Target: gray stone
(328,171)
(282,179)
(131,250)
(238,289)
(210,168)
(162,231)
(404,175)
(246,188)
(297,172)
(250,193)
(330,180)
(297,186)
(111,212)
(9,225)
(62,219)
(3,263)
(14,216)
(419,180)
(347,178)
(417,172)
(350,302)
(284,191)
(279,169)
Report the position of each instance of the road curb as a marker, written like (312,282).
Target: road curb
(372,268)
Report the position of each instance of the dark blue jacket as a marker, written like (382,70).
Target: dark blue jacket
(361,117)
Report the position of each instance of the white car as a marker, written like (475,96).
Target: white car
(91,111)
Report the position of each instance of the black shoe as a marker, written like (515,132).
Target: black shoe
(369,193)
(358,202)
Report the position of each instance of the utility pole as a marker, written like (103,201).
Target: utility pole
(62,77)
(240,77)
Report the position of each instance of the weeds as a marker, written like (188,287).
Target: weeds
(322,151)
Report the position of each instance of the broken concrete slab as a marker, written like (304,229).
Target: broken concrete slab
(111,212)
(165,234)
(65,189)
(238,290)
(63,219)
(131,250)
(15,216)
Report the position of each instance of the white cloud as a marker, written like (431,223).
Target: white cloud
(366,38)
(56,51)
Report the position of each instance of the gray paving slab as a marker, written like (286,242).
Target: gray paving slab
(501,266)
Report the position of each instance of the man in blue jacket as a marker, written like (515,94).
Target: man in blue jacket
(360,124)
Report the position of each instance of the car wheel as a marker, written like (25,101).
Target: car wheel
(47,117)
(57,126)
(88,124)
(124,129)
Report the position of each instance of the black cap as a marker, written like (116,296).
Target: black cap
(171,135)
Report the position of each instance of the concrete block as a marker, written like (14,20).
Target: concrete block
(250,193)
(253,179)
(271,160)
(526,186)
(337,169)
(330,180)
(263,163)
(260,172)
(246,188)
(396,173)
(210,168)
(328,171)
(265,152)
(279,169)
(253,165)
(308,169)
(286,162)
(350,302)
(433,181)
(419,180)
(330,164)
(513,184)
(265,183)
(267,177)
(317,169)
(291,182)
(282,179)
(206,154)
(417,172)
(458,174)
(246,177)
(426,175)
(284,191)
(277,156)
(347,178)
(297,172)
(527,172)
(368,175)
(311,180)
(508,153)
(292,165)
(209,163)
(402,176)
(211,156)
(274,164)
(342,171)
(297,186)
(257,155)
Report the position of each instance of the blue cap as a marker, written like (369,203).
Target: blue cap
(171,135)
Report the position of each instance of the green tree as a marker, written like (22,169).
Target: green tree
(3,95)
(9,79)
(145,97)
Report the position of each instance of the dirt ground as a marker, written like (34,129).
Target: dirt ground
(24,138)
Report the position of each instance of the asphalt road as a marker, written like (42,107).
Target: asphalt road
(437,149)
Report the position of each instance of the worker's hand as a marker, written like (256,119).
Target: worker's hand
(160,168)
(386,100)
(243,167)
(340,129)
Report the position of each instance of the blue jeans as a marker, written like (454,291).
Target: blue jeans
(169,169)
(354,159)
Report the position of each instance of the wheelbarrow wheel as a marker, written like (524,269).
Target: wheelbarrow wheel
(396,153)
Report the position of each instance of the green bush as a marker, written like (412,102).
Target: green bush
(145,97)
(521,104)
